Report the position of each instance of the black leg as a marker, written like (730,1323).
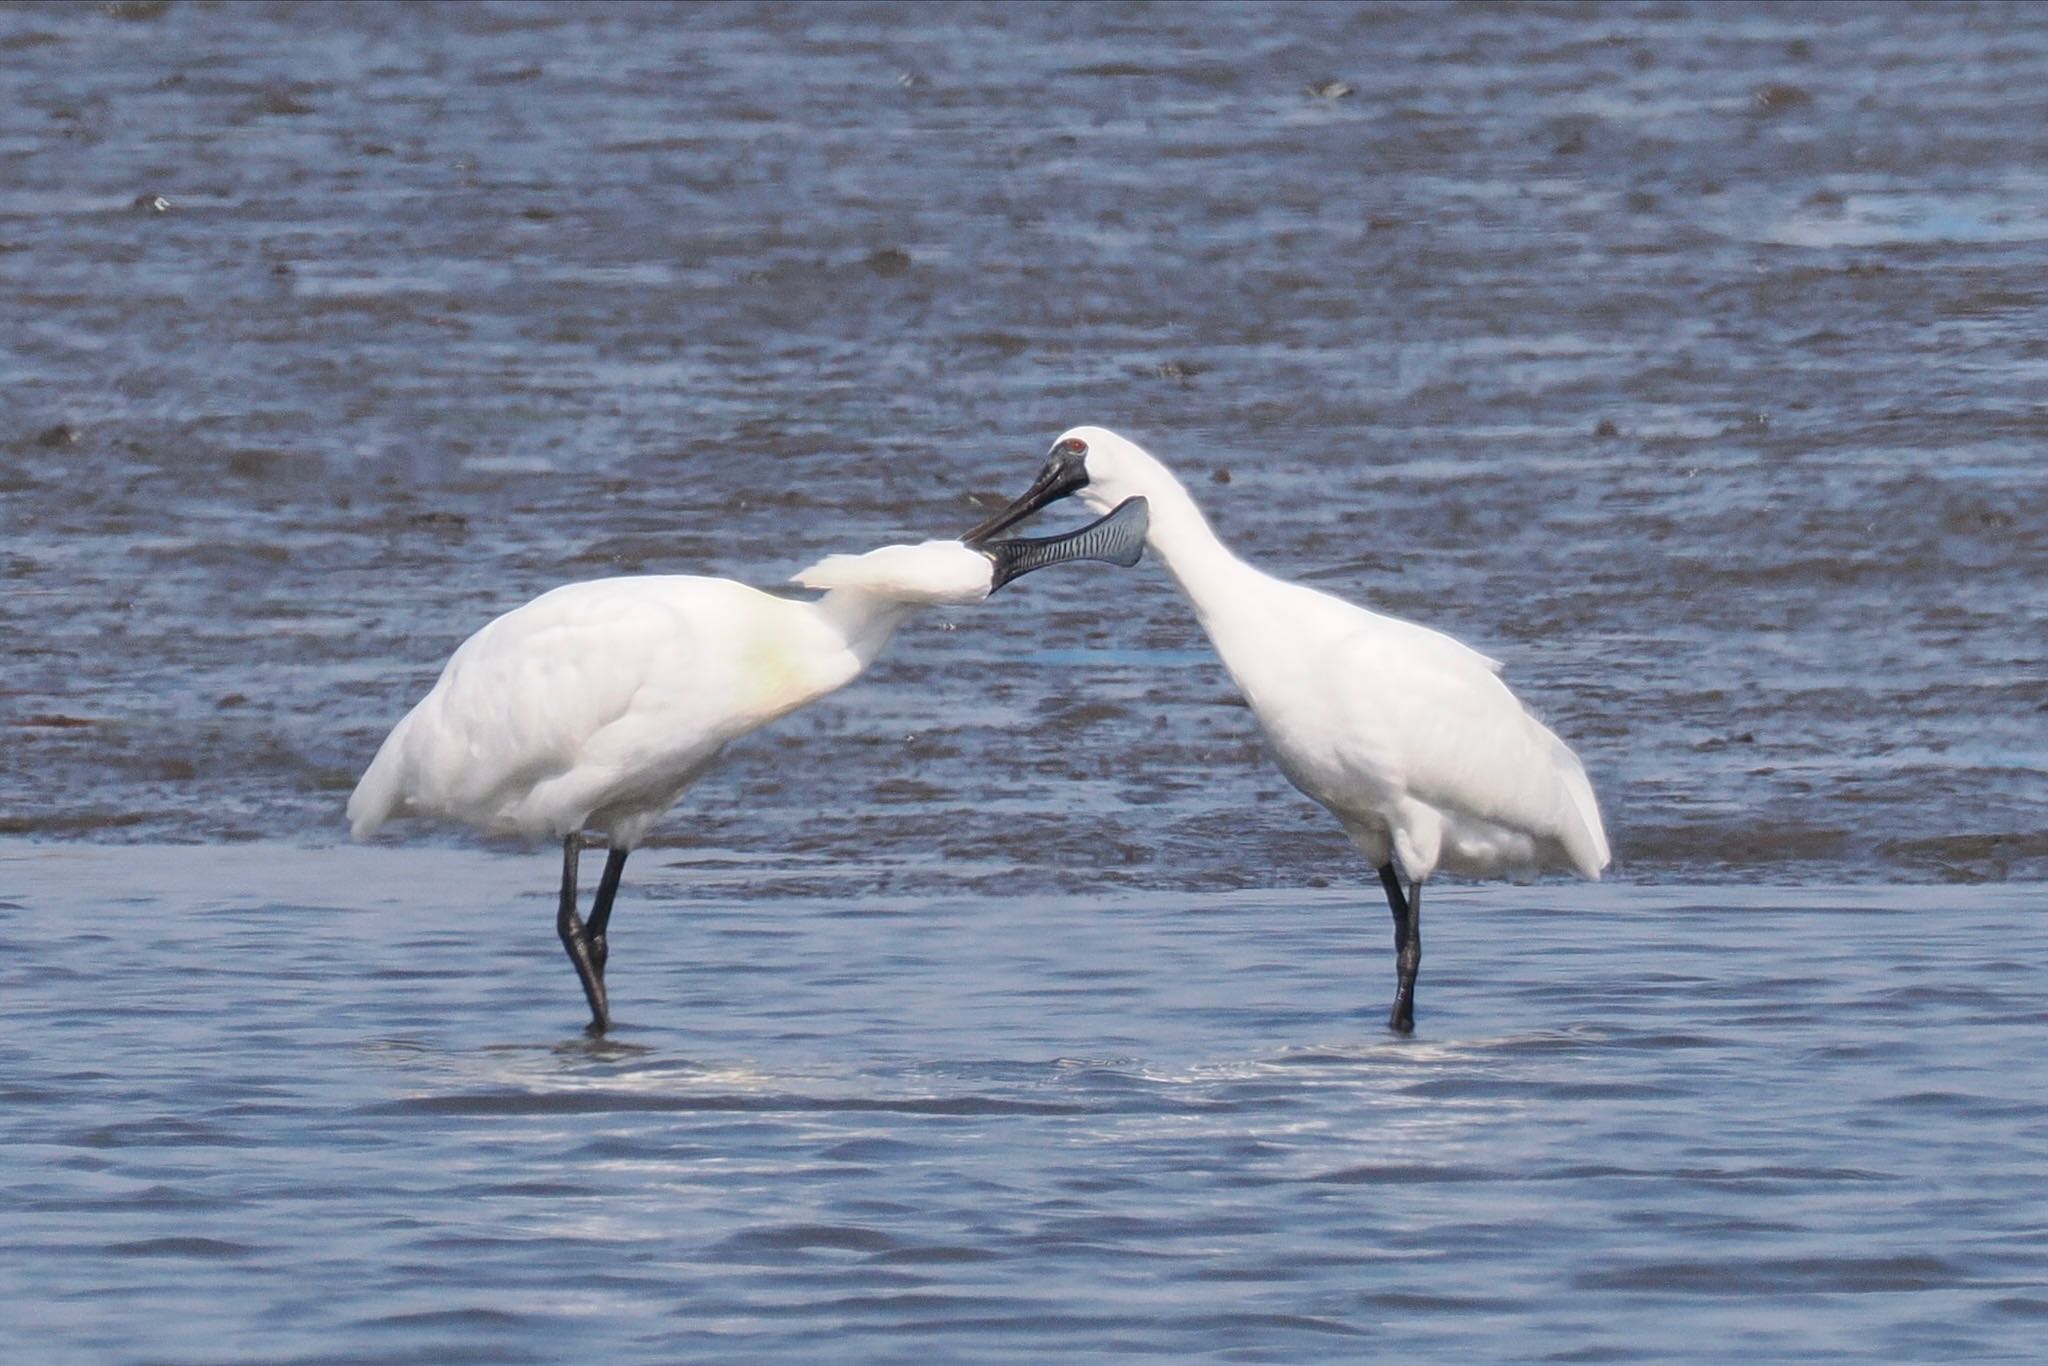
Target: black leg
(570,927)
(601,909)
(1407,959)
(1391,880)
(1402,1021)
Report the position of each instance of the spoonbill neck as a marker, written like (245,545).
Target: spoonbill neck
(864,620)
(1206,569)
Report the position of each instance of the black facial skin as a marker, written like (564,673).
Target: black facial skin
(1065,472)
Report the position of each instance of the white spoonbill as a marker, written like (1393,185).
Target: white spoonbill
(1405,735)
(594,706)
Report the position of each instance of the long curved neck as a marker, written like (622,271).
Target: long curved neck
(864,620)
(804,650)
(1202,565)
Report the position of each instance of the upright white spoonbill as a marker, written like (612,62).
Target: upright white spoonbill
(594,706)
(1406,736)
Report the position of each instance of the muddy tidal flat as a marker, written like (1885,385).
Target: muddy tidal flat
(1689,359)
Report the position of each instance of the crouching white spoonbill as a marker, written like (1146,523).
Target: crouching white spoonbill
(594,706)
(1406,736)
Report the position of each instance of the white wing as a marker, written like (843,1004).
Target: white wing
(615,692)
(1460,740)
(1362,709)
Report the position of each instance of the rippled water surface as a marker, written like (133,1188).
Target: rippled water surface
(1690,359)
(284,1123)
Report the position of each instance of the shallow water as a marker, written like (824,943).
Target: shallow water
(1687,358)
(256,1118)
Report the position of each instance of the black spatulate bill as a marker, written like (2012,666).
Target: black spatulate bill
(1117,537)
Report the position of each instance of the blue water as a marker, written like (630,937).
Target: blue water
(260,1108)
(1687,358)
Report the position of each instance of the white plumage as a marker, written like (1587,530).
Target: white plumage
(591,708)
(935,571)
(1408,737)
(1405,735)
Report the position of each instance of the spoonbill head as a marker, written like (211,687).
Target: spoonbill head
(589,711)
(1408,737)
(934,573)
(963,572)
(1096,464)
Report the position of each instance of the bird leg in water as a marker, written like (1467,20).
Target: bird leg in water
(601,909)
(1407,947)
(570,926)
